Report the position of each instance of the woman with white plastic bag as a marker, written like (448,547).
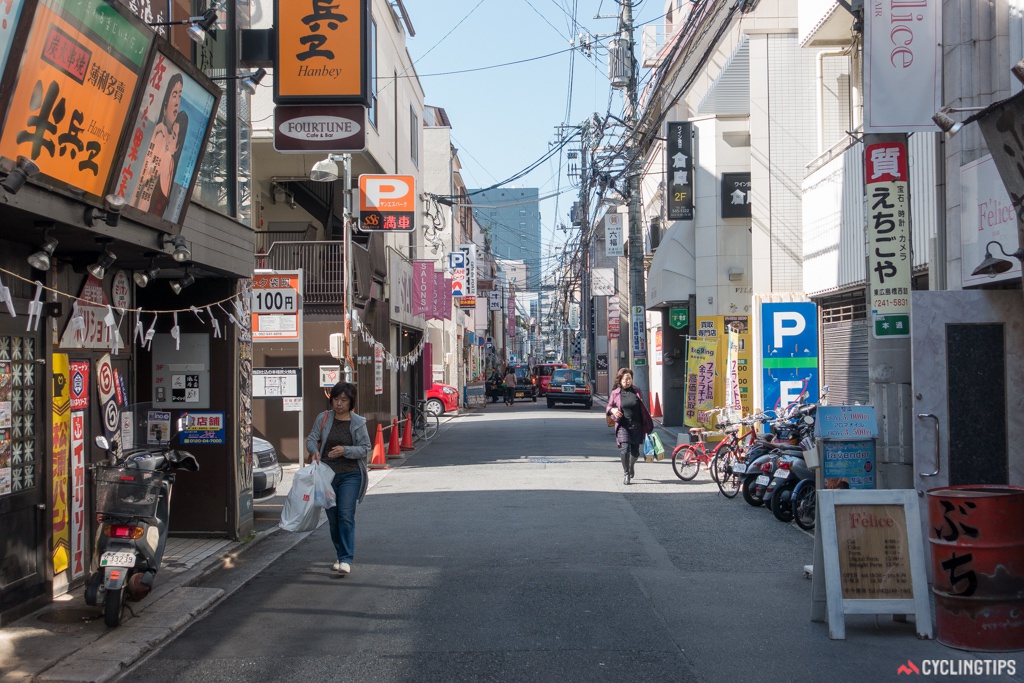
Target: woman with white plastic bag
(340,440)
(310,493)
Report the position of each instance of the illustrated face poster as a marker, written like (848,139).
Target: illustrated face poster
(167,142)
(73,92)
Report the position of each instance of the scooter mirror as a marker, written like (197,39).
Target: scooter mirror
(808,420)
(101,442)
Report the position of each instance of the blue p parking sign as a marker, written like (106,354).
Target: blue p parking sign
(789,352)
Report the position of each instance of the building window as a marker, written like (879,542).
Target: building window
(414,137)
(371,113)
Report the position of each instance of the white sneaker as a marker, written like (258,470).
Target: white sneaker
(336,566)
(343,568)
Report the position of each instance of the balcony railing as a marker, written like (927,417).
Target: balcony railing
(321,263)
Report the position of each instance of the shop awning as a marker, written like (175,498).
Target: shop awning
(673,274)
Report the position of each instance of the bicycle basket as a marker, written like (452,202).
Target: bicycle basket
(122,492)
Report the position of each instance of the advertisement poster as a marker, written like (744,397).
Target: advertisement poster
(73,91)
(60,460)
(158,427)
(732,377)
(167,142)
(378,369)
(849,464)
(91,325)
(202,428)
(78,525)
(700,381)
(79,384)
(716,327)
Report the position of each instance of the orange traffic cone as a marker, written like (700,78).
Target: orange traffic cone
(393,450)
(377,462)
(406,444)
(657,408)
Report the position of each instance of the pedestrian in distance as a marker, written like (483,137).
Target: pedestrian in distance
(340,440)
(495,385)
(510,386)
(632,421)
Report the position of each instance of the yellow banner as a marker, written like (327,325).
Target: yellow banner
(700,379)
(715,327)
(70,103)
(61,523)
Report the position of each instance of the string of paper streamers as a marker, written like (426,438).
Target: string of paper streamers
(391,361)
(112,325)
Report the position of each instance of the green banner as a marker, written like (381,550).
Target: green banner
(892,326)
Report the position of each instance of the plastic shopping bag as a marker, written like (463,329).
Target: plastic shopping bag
(648,447)
(323,492)
(301,513)
(659,447)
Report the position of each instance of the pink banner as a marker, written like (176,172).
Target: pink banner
(511,314)
(446,299)
(422,287)
(78,525)
(437,310)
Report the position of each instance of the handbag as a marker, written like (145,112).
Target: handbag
(609,419)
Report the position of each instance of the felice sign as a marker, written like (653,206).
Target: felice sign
(387,203)
(322,52)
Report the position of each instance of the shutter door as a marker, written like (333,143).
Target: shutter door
(844,357)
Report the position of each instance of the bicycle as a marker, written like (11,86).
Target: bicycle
(424,425)
(686,458)
(730,464)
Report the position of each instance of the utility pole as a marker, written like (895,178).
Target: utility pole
(637,299)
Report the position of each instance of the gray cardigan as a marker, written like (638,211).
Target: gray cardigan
(359,450)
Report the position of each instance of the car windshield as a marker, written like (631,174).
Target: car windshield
(522,374)
(564,376)
(546,370)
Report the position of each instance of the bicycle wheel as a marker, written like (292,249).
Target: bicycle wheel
(419,424)
(685,462)
(431,423)
(728,480)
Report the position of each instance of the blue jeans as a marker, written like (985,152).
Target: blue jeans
(342,517)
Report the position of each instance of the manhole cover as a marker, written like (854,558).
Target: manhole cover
(69,615)
(547,460)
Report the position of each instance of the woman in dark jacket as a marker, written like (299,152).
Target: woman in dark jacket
(632,421)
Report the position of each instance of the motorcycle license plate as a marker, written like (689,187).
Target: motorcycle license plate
(520,394)
(117,560)
(782,477)
(763,480)
(739,468)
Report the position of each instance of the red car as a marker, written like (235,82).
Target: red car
(543,374)
(442,398)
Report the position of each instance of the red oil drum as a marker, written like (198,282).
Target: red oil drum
(976,535)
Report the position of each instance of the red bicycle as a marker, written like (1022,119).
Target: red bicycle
(687,458)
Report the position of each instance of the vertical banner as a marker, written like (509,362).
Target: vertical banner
(732,374)
(511,314)
(6,467)
(378,369)
(639,328)
(679,169)
(79,384)
(889,264)
(60,461)
(613,245)
(700,381)
(78,525)
(902,66)
(422,287)
(471,272)
(494,300)
(613,317)
(658,346)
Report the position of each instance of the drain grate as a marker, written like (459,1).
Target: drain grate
(547,460)
(69,615)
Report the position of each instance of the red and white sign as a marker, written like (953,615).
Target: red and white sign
(90,331)
(78,525)
(378,369)
(276,306)
(106,384)
(79,384)
(387,203)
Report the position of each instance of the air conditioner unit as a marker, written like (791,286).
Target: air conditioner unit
(337,345)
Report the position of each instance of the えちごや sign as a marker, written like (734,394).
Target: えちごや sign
(387,203)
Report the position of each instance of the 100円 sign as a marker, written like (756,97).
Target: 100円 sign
(276,306)
(387,203)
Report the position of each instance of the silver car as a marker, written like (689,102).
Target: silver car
(266,470)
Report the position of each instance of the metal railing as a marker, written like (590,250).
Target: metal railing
(322,266)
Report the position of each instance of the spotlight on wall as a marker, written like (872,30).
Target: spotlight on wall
(178,285)
(99,269)
(198,27)
(325,170)
(144,277)
(42,259)
(24,169)
(1018,70)
(249,81)
(111,216)
(181,251)
(946,122)
(992,266)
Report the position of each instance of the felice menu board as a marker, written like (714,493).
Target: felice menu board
(874,561)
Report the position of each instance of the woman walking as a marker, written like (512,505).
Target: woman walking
(632,421)
(340,440)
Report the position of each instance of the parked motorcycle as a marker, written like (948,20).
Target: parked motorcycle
(133,499)
(763,457)
(790,465)
(805,503)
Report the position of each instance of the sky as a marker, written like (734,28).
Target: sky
(506,118)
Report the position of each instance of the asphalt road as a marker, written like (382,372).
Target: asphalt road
(508,549)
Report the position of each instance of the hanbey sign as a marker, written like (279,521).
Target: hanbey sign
(387,203)
(322,51)
(889,265)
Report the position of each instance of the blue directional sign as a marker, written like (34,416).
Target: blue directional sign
(789,352)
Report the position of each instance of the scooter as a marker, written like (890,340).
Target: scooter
(133,499)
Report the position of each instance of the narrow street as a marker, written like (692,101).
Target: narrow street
(508,549)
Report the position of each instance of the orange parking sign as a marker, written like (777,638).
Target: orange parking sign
(387,203)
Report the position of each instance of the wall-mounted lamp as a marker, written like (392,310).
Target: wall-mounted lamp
(99,269)
(248,81)
(326,170)
(198,27)
(992,266)
(181,251)
(24,169)
(946,122)
(112,216)
(178,285)
(143,278)
(42,259)
(735,274)
(1018,70)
